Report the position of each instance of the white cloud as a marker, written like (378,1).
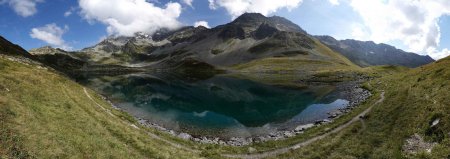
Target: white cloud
(201,23)
(413,22)
(436,54)
(51,34)
(334,2)
(69,12)
(358,33)
(212,5)
(24,8)
(237,7)
(188,2)
(126,17)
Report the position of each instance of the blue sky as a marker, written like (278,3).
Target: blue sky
(46,22)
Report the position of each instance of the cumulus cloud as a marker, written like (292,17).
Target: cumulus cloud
(188,2)
(334,2)
(126,17)
(237,7)
(201,23)
(413,22)
(51,34)
(436,54)
(24,8)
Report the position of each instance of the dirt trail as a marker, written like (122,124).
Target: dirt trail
(267,153)
(307,142)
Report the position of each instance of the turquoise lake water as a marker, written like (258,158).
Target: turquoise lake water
(217,106)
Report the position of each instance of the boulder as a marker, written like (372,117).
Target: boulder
(304,127)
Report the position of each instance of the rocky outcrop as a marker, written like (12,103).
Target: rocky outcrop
(46,50)
(416,144)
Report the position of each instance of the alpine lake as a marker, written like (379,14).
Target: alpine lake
(218,106)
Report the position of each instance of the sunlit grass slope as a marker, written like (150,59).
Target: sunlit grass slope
(414,100)
(319,59)
(45,115)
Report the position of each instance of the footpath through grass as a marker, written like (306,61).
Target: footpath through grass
(45,115)
(414,99)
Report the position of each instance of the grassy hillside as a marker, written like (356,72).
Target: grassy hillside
(45,115)
(324,59)
(414,100)
(322,65)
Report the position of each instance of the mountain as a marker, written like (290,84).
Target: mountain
(367,53)
(73,64)
(47,50)
(252,37)
(408,115)
(250,43)
(9,48)
(46,115)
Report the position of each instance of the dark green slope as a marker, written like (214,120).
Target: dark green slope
(9,48)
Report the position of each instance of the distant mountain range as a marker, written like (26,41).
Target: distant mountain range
(367,53)
(250,37)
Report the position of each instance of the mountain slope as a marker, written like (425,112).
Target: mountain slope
(8,48)
(46,115)
(367,53)
(249,37)
(416,103)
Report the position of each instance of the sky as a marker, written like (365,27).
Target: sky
(419,26)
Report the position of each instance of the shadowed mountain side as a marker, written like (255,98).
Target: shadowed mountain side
(367,53)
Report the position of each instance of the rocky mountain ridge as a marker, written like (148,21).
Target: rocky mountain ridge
(250,37)
(368,53)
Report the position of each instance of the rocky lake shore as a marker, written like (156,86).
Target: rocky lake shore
(351,91)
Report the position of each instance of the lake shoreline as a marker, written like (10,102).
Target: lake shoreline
(351,91)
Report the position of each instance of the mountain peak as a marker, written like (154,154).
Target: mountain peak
(253,20)
(250,17)
(46,50)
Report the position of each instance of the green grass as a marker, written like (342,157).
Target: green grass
(45,115)
(413,100)
(319,64)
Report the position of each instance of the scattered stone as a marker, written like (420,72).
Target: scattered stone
(289,134)
(184,136)
(304,127)
(134,126)
(357,96)
(435,122)
(171,132)
(416,144)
